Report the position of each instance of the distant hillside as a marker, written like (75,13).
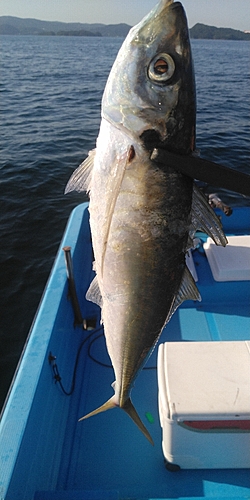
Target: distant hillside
(211,32)
(17,26)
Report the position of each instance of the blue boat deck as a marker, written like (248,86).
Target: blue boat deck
(48,455)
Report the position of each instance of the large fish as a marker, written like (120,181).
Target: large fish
(141,213)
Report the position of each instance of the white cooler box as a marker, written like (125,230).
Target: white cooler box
(230,263)
(204,404)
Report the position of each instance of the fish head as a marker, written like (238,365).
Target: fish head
(150,91)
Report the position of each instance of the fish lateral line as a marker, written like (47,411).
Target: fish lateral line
(115,193)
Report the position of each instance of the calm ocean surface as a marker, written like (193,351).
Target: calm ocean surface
(51,89)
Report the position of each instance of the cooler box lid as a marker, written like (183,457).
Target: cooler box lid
(230,263)
(204,380)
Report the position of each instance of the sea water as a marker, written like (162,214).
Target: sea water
(51,89)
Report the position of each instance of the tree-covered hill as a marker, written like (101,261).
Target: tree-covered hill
(17,26)
(211,32)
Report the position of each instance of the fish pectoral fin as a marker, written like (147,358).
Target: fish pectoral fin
(93,294)
(204,218)
(129,408)
(187,291)
(106,406)
(80,180)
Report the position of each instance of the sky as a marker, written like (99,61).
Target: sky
(221,13)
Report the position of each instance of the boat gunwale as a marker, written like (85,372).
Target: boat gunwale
(29,360)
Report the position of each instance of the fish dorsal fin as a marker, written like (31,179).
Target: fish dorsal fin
(112,191)
(205,219)
(80,180)
(93,294)
(187,291)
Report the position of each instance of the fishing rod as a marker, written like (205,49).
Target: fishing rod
(205,170)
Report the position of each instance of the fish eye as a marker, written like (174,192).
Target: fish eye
(161,68)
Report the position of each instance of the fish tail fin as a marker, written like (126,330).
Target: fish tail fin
(106,406)
(129,408)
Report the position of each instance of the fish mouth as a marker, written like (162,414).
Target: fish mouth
(175,5)
(169,5)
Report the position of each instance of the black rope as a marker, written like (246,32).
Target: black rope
(57,376)
(105,364)
(92,357)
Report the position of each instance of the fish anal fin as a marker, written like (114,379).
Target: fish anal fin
(187,291)
(93,294)
(80,180)
(205,219)
(129,408)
